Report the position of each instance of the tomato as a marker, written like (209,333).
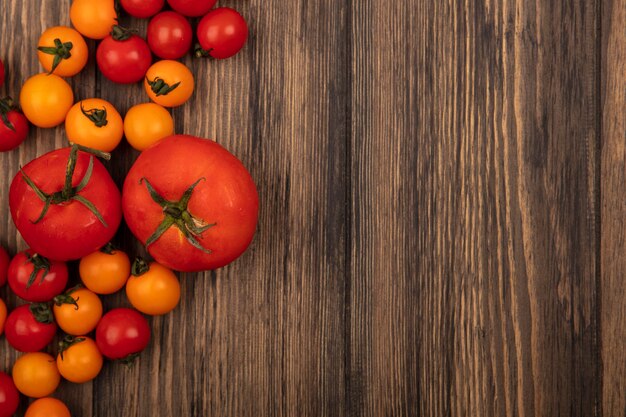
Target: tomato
(3,315)
(152,288)
(47,407)
(9,397)
(46,99)
(93,18)
(94,123)
(191,202)
(78,311)
(79,359)
(142,8)
(30,328)
(221,33)
(35,278)
(62,220)
(105,272)
(122,334)
(169,83)
(36,375)
(123,57)
(192,8)
(1,73)
(169,35)
(4,265)
(13,125)
(146,124)
(62,51)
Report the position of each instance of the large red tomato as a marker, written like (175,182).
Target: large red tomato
(65,217)
(191,202)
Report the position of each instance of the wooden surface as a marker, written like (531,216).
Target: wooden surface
(442,226)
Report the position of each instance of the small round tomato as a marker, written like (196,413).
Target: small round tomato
(3,315)
(169,35)
(142,8)
(35,278)
(4,265)
(169,83)
(36,375)
(192,8)
(46,99)
(222,33)
(47,407)
(123,57)
(93,18)
(152,288)
(122,332)
(13,125)
(9,397)
(145,124)
(1,73)
(105,271)
(30,328)
(79,359)
(78,311)
(62,51)
(94,123)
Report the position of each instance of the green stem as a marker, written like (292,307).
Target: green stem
(140,267)
(60,50)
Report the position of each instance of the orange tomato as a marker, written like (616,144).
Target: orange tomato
(3,315)
(94,123)
(169,83)
(78,311)
(103,272)
(80,361)
(64,47)
(47,407)
(152,289)
(146,124)
(36,375)
(93,18)
(46,99)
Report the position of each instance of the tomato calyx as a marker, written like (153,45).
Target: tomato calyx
(139,267)
(129,360)
(39,263)
(97,116)
(67,342)
(160,87)
(42,312)
(6,106)
(199,52)
(120,33)
(109,248)
(177,214)
(60,50)
(67,298)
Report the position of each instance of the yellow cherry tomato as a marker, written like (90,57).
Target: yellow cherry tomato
(145,124)
(93,18)
(3,315)
(78,311)
(63,49)
(169,83)
(80,361)
(94,123)
(152,289)
(104,272)
(47,407)
(36,375)
(46,99)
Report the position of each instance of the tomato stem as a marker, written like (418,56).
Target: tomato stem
(67,298)
(109,248)
(42,312)
(160,87)
(129,360)
(39,264)
(6,105)
(67,342)
(97,116)
(140,267)
(199,52)
(60,50)
(120,33)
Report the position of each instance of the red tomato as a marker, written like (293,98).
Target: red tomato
(123,57)
(142,8)
(222,33)
(83,210)
(169,35)
(9,397)
(4,265)
(13,125)
(30,327)
(192,8)
(35,278)
(191,202)
(122,332)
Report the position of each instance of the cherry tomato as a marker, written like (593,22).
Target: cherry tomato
(36,375)
(13,125)
(78,311)
(222,33)
(35,278)
(30,328)
(169,35)
(79,359)
(3,315)
(62,51)
(9,397)
(47,407)
(4,265)
(152,289)
(145,124)
(1,73)
(192,8)
(105,272)
(142,8)
(46,99)
(122,332)
(169,83)
(94,123)
(123,57)
(93,18)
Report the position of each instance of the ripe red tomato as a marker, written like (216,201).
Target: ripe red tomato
(221,33)
(1,73)
(122,332)
(191,202)
(123,57)
(142,8)
(169,35)
(4,265)
(65,217)
(13,125)
(9,397)
(192,8)
(30,327)
(35,278)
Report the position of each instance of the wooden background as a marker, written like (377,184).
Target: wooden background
(442,227)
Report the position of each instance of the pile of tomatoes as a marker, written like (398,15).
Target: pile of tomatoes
(188,200)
